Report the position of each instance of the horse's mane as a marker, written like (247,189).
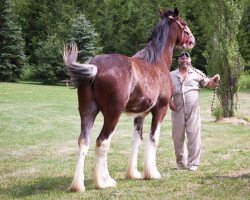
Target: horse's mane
(157,40)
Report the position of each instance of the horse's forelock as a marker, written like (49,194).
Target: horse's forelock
(168,12)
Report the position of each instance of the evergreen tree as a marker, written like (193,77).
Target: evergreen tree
(87,39)
(40,20)
(11,43)
(50,67)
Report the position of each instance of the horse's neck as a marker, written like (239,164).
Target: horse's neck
(167,53)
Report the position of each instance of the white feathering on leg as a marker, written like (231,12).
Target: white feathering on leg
(101,176)
(149,168)
(132,171)
(77,184)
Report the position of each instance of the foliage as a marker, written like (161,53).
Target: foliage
(222,51)
(40,20)
(50,68)
(244,83)
(11,43)
(84,34)
(244,35)
(217,112)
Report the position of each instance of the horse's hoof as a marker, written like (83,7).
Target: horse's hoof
(152,174)
(133,174)
(105,183)
(76,188)
(111,182)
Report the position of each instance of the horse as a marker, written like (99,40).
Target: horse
(113,84)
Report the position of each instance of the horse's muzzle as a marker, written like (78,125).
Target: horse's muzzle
(191,42)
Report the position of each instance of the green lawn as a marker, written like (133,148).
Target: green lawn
(39,127)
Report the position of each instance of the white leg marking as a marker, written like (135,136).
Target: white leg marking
(77,184)
(132,171)
(101,176)
(149,168)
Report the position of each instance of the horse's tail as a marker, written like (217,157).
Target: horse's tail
(80,73)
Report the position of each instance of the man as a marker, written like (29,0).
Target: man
(186,82)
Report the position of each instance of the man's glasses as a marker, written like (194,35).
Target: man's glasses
(185,54)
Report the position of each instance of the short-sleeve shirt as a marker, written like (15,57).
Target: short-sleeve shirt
(193,81)
(186,93)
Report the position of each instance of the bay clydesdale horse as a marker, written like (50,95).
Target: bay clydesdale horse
(114,84)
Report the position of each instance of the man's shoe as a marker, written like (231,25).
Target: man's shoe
(180,167)
(193,168)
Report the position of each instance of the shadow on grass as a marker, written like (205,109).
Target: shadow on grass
(43,186)
(241,176)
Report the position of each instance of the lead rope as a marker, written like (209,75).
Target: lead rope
(215,89)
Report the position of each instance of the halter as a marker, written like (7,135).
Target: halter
(183,31)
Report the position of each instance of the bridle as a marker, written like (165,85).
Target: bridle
(183,32)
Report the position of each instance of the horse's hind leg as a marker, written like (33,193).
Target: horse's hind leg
(88,111)
(101,176)
(132,171)
(149,168)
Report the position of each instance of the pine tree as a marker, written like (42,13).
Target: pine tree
(50,68)
(87,39)
(11,43)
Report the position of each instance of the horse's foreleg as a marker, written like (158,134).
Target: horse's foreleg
(132,171)
(101,177)
(149,167)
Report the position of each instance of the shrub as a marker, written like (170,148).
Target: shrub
(217,113)
(50,68)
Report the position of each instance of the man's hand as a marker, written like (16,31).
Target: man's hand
(172,105)
(213,81)
(216,78)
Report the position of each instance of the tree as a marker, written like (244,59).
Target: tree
(45,27)
(244,36)
(11,43)
(222,50)
(50,68)
(87,39)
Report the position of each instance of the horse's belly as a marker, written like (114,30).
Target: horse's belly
(140,105)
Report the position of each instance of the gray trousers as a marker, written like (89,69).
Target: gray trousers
(187,120)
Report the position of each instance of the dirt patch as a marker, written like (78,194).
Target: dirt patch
(233,120)
(66,150)
(240,173)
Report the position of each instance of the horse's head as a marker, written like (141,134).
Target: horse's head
(185,37)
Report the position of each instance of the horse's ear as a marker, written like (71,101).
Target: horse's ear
(176,12)
(161,12)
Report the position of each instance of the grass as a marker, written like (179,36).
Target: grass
(39,127)
(244,83)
